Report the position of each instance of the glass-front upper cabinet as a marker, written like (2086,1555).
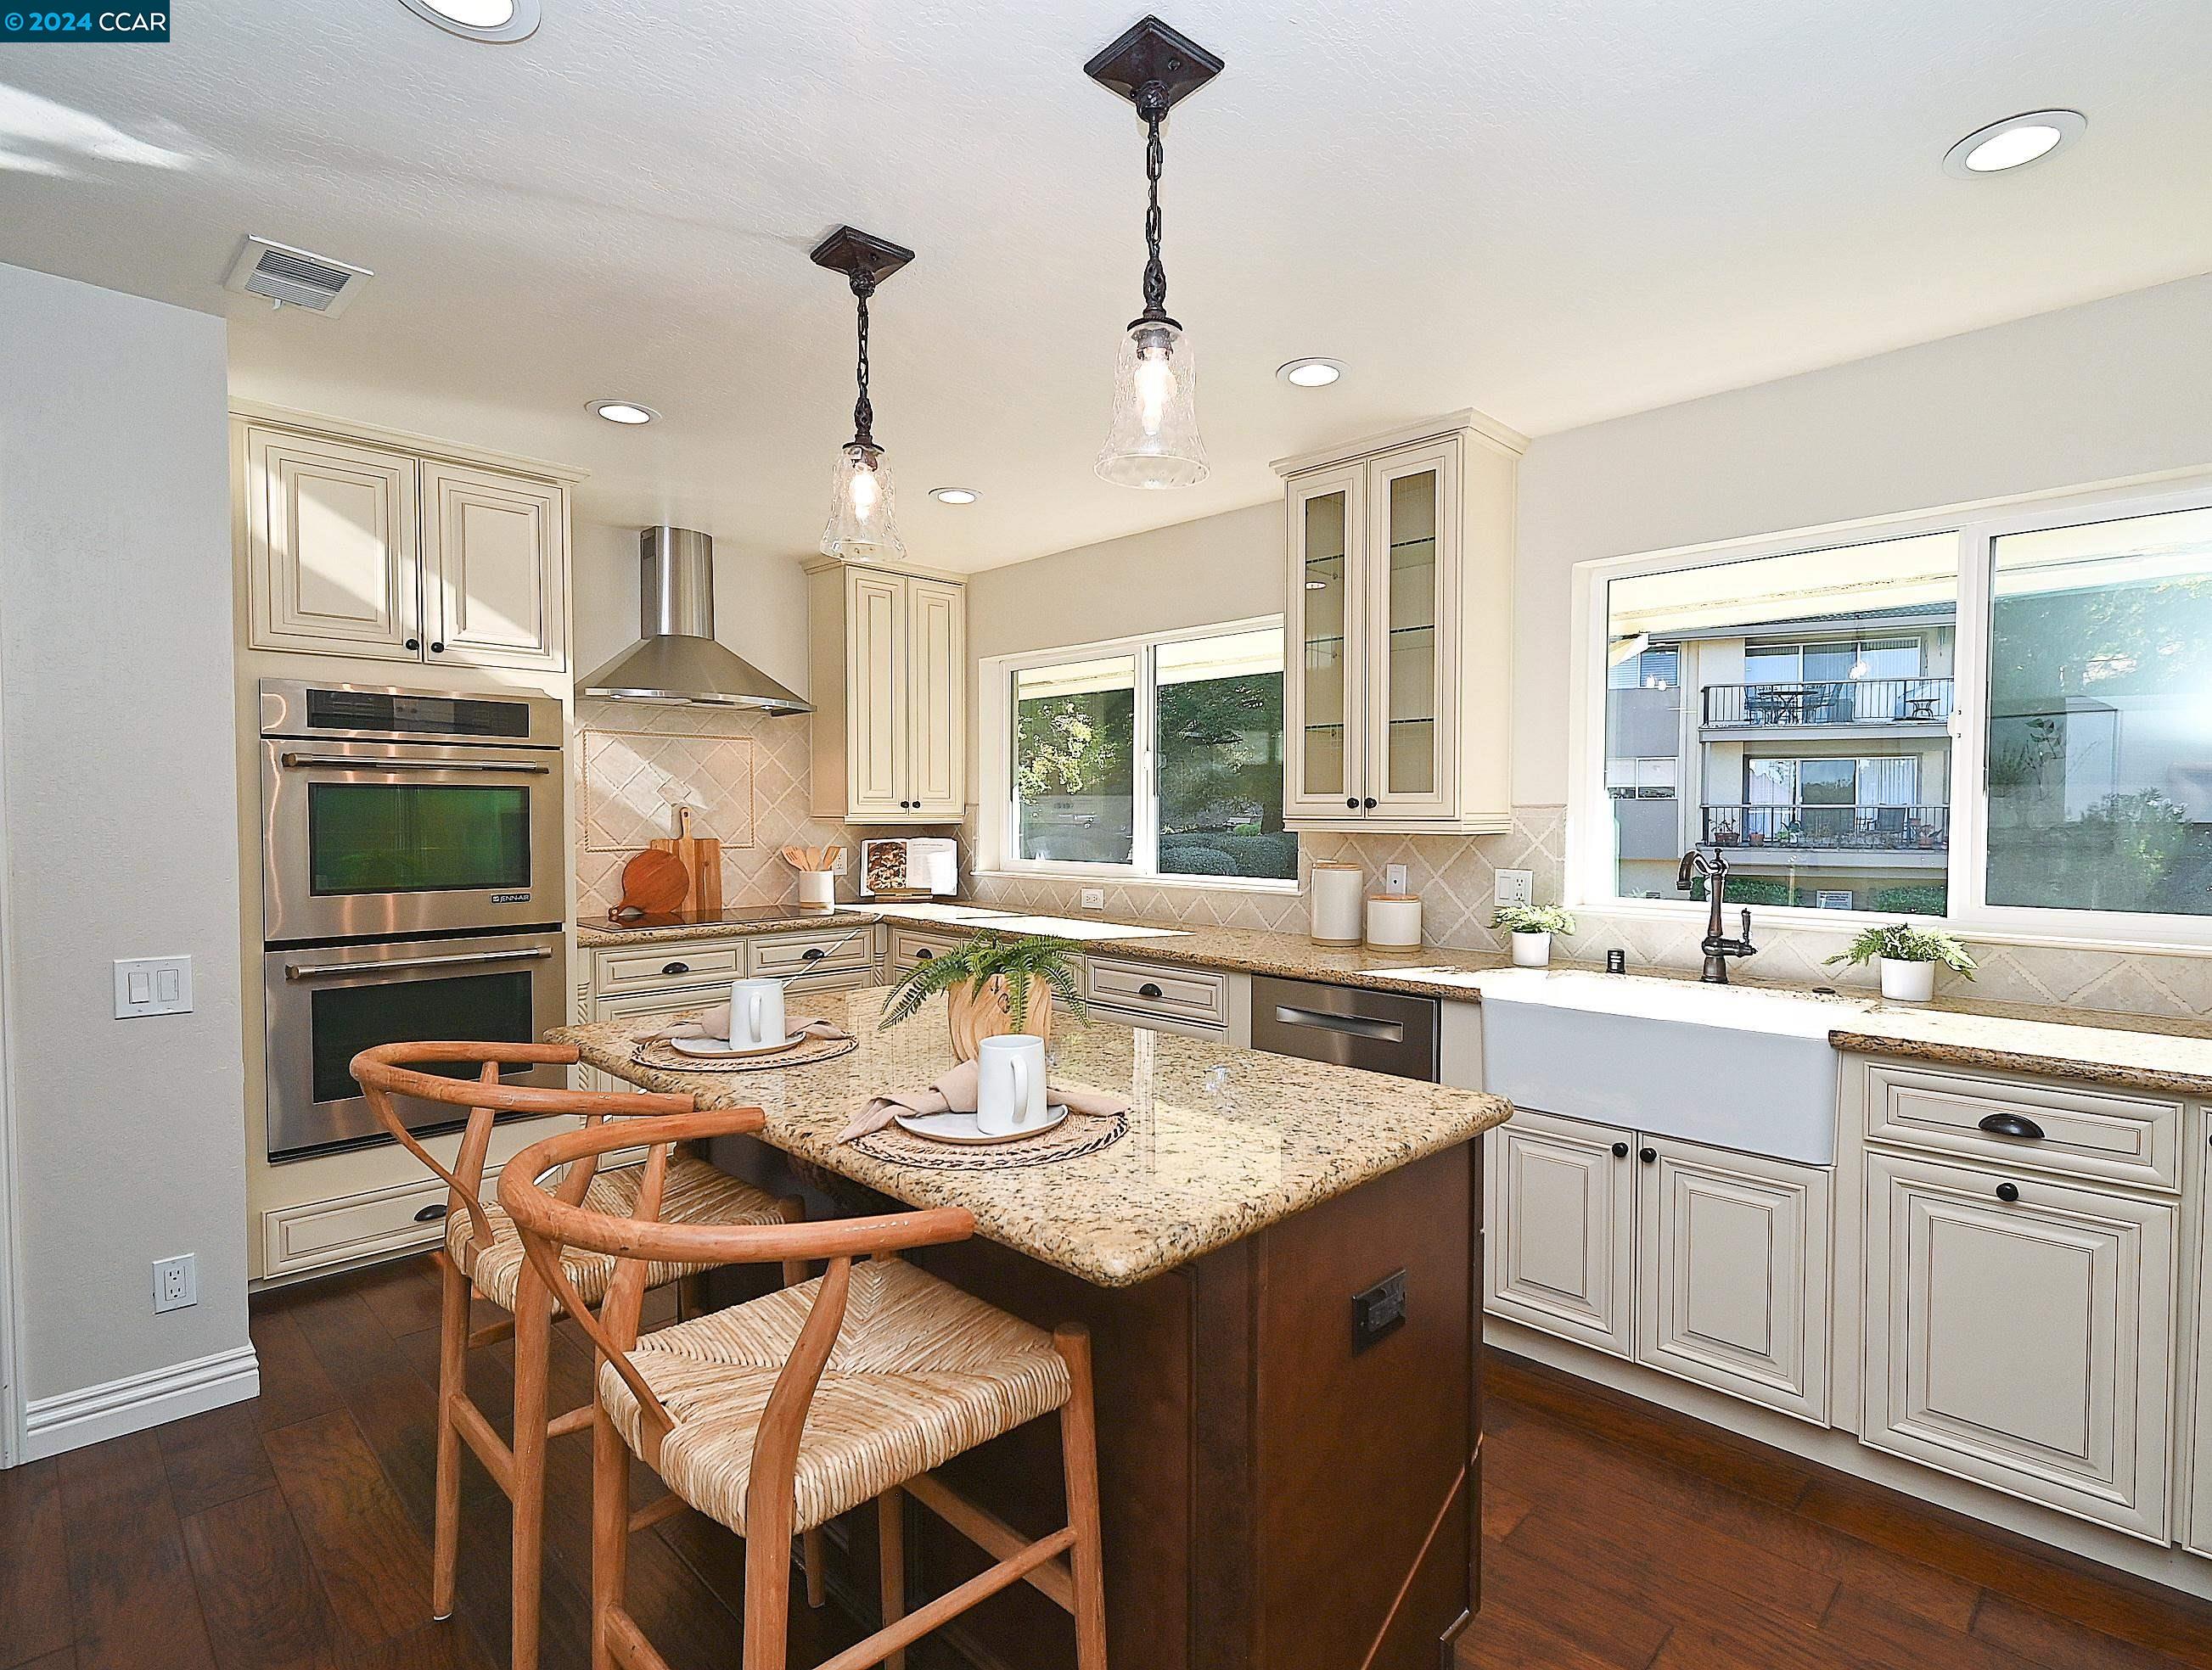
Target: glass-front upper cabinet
(1324,694)
(1400,631)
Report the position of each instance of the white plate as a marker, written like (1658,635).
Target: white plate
(960,1128)
(709,1049)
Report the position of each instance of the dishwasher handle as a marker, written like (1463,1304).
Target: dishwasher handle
(1359,1026)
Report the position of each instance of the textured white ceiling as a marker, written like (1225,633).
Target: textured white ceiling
(1556,211)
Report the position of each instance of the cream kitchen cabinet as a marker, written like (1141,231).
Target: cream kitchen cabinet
(1704,1264)
(888,654)
(2196,1533)
(2018,1332)
(383,547)
(1398,632)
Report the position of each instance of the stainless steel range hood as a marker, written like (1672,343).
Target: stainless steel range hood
(679,662)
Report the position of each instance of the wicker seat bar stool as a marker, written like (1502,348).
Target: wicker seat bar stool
(777,1415)
(483,1253)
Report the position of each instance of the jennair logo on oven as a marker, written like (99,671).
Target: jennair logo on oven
(510,898)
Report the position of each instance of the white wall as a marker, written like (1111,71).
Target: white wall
(760,607)
(2112,388)
(119,795)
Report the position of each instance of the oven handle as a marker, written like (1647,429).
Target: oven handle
(319,970)
(1357,1025)
(358,763)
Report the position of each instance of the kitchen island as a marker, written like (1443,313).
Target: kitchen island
(1276,1265)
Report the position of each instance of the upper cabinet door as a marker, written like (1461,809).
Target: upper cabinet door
(2024,1343)
(497,564)
(1324,690)
(331,546)
(876,648)
(1412,599)
(937,684)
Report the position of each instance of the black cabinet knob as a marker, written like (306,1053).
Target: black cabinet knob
(1369,803)
(2012,1125)
(812,954)
(675,968)
(414,643)
(2008,1192)
(1649,1155)
(1148,990)
(1621,1150)
(437,648)
(1352,802)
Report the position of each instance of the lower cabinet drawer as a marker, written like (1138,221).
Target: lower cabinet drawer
(2018,1333)
(911,945)
(2094,1134)
(672,963)
(1153,989)
(362,1226)
(787,954)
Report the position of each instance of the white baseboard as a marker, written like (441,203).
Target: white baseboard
(71,1420)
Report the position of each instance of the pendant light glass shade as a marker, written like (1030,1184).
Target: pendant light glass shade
(1153,440)
(862,525)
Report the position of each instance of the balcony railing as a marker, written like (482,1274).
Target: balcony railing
(1830,701)
(1832,828)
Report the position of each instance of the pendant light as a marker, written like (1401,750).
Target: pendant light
(862,525)
(1154,439)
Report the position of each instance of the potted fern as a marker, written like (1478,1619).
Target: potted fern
(1908,957)
(1531,927)
(992,986)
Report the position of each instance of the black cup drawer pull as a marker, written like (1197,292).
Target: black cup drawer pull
(431,1214)
(812,954)
(923,954)
(675,968)
(2012,1125)
(1149,990)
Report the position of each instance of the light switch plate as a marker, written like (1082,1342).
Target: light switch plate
(153,985)
(1516,887)
(1093,898)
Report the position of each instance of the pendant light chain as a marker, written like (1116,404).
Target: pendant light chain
(864,286)
(1153,105)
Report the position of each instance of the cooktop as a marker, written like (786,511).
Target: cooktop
(737,917)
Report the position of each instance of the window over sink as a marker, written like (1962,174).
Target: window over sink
(1158,757)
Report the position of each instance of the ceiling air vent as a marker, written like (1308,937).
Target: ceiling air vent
(295,277)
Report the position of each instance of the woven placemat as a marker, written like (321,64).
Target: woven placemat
(661,1056)
(1072,1138)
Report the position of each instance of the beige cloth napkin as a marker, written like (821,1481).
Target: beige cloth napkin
(955,1093)
(715,1023)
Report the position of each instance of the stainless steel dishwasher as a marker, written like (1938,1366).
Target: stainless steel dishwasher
(1381,1031)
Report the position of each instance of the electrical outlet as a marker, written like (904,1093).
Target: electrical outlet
(153,985)
(1093,898)
(176,1282)
(1516,887)
(1394,878)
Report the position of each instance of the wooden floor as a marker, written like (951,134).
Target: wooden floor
(294,1531)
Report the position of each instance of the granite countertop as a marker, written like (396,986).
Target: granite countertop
(1222,1142)
(2127,1052)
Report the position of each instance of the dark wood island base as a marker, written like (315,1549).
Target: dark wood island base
(1276,1495)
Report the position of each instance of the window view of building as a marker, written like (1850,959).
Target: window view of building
(1795,712)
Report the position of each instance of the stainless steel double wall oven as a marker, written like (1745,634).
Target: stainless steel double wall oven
(413,886)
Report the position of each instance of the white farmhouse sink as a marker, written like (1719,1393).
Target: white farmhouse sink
(1733,1067)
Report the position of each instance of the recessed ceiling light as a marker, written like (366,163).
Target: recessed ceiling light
(479,19)
(622,411)
(1310,373)
(954,495)
(2013,143)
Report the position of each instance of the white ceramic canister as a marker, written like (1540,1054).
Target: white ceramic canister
(1393,922)
(817,889)
(1336,901)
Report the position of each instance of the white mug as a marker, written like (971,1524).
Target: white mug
(1009,1085)
(755,1014)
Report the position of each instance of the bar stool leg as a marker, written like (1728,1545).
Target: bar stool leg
(609,1530)
(890,1548)
(1079,1445)
(453,1380)
(533,1328)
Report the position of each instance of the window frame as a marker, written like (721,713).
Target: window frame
(1592,883)
(998,819)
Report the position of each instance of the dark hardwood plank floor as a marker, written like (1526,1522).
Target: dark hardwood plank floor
(294,1532)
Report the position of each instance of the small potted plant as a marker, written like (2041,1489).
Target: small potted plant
(1907,957)
(1531,927)
(992,987)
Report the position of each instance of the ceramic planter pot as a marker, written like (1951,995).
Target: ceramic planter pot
(1907,983)
(1532,950)
(974,1013)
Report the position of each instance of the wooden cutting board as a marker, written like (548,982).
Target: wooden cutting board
(701,858)
(654,884)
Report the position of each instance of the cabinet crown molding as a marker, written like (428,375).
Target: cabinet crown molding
(428,446)
(1467,420)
